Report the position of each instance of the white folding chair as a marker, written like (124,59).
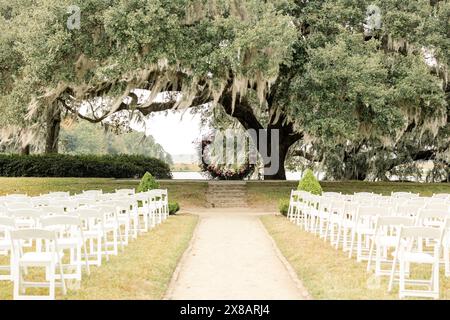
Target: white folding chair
(125,192)
(445,196)
(324,207)
(85,201)
(408,251)
(91,193)
(408,209)
(131,205)
(164,203)
(405,195)
(49,259)
(111,228)
(18,205)
(26,218)
(69,231)
(293,204)
(54,210)
(144,211)
(432,217)
(331,194)
(313,214)
(124,219)
(59,194)
(93,222)
(345,225)
(385,239)
(69,205)
(40,201)
(364,228)
(335,213)
(446,246)
(7,224)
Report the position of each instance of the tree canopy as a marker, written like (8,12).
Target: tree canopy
(359,98)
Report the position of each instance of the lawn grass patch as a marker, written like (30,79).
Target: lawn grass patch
(328,273)
(142,271)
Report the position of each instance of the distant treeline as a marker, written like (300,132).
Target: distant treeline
(86,138)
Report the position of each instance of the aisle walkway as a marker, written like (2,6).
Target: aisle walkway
(232,257)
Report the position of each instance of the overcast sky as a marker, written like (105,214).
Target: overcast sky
(175,131)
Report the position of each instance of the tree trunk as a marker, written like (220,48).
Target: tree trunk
(287,136)
(25,150)
(280,157)
(53,130)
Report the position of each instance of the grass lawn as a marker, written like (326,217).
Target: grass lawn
(142,271)
(268,193)
(328,273)
(191,194)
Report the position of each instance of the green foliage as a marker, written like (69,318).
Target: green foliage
(309,183)
(312,64)
(283,206)
(174,207)
(56,165)
(148,182)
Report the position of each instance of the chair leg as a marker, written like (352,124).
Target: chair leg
(63,280)
(115,245)
(338,238)
(352,241)
(86,258)
(99,251)
(359,247)
(391,278)
(326,231)
(447,261)
(77,262)
(372,245)
(51,277)
(17,282)
(402,278)
(435,287)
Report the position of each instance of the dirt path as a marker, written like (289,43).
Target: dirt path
(232,257)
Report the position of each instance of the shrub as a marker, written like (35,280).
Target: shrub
(174,207)
(92,166)
(148,182)
(283,206)
(309,183)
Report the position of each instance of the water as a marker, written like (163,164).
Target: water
(290,176)
(192,175)
(188,175)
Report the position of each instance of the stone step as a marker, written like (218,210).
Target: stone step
(217,198)
(226,188)
(226,194)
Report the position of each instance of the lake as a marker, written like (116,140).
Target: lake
(191,175)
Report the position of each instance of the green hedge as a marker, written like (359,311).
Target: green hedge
(59,165)
(283,206)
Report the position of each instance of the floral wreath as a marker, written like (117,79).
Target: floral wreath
(221,172)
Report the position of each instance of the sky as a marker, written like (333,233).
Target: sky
(175,131)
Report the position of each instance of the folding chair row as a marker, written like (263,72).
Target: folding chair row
(65,239)
(368,225)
